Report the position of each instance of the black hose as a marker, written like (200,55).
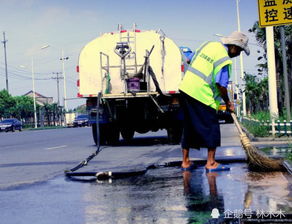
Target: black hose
(107,174)
(97,123)
(86,161)
(153,76)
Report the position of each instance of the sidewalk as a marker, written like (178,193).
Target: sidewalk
(136,158)
(124,158)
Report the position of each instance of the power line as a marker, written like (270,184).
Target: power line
(22,75)
(16,69)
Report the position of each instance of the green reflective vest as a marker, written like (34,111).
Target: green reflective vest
(199,81)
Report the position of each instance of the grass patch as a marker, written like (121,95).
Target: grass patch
(256,128)
(289,157)
(44,128)
(261,116)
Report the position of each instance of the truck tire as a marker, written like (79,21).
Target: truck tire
(174,135)
(127,134)
(112,133)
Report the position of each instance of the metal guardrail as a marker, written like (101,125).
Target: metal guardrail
(275,127)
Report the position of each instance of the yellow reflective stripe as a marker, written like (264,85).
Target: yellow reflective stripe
(218,62)
(207,79)
(201,74)
(199,50)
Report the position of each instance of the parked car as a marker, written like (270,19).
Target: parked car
(81,121)
(10,124)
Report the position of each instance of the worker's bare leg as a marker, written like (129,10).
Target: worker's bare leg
(211,163)
(186,159)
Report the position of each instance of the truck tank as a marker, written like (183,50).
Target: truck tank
(137,73)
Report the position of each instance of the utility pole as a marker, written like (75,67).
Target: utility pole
(241,62)
(274,112)
(34,96)
(58,90)
(5,58)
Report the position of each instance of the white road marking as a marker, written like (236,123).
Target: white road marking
(57,147)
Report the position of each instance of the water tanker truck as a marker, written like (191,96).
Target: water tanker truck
(137,74)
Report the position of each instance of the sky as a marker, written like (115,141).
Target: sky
(69,25)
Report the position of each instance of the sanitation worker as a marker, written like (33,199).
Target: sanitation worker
(204,84)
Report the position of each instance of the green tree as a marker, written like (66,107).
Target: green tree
(23,107)
(48,109)
(256,93)
(52,113)
(260,34)
(81,109)
(7,104)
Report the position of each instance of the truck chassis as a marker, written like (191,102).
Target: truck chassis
(128,114)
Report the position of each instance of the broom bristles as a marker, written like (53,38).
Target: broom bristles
(258,161)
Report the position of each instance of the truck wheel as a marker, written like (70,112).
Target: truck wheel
(101,132)
(127,134)
(112,135)
(174,135)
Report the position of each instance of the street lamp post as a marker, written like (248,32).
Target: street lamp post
(241,62)
(33,91)
(65,90)
(33,87)
(64,77)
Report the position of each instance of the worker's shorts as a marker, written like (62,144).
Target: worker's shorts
(200,124)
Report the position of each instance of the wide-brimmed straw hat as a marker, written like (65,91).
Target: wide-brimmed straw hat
(238,39)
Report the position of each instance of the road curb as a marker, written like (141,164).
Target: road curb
(279,140)
(288,166)
(262,139)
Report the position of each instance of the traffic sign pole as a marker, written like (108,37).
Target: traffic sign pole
(272,75)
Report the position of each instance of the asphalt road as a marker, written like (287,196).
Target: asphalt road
(33,156)
(30,157)
(33,188)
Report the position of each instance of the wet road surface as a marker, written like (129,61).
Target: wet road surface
(33,188)
(162,195)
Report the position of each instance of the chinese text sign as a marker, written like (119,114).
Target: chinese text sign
(274,12)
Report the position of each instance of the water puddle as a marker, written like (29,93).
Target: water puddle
(163,195)
(284,152)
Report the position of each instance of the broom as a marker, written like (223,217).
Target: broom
(257,161)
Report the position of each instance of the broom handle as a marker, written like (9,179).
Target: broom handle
(237,123)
